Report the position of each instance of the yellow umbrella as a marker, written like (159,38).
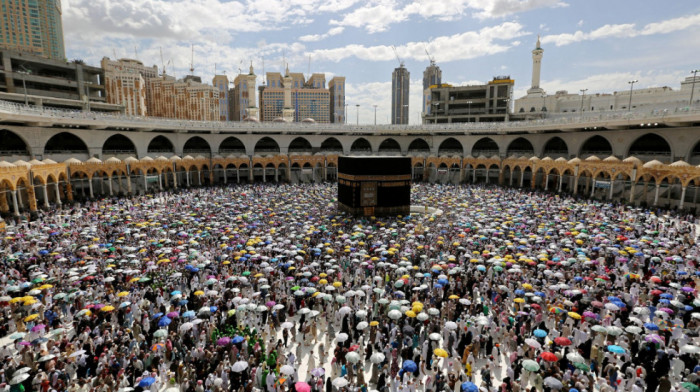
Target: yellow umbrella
(373,323)
(519,300)
(107,308)
(199,292)
(410,313)
(45,286)
(258,276)
(227,262)
(322,281)
(16,300)
(123,294)
(31,317)
(453,296)
(29,302)
(574,315)
(527,286)
(440,353)
(337,284)
(322,274)
(134,280)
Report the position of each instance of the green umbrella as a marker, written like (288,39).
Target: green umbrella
(295,288)
(690,387)
(582,366)
(246,273)
(145,280)
(161,333)
(531,365)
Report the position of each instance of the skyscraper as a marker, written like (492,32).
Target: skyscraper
(337,106)
(221,82)
(292,98)
(127,84)
(432,76)
(400,80)
(32,26)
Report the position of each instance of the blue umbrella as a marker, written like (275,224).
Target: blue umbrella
(176,292)
(540,294)
(651,326)
(469,387)
(666,296)
(237,339)
(213,309)
(614,299)
(189,313)
(616,349)
(183,302)
(157,315)
(165,321)
(146,382)
(481,268)
(519,292)
(540,333)
(409,366)
(442,281)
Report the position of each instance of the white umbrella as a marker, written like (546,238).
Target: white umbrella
(186,327)
(433,311)
(533,343)
(239,366)
(344,310)
(376,358)
(422,316)
(287,369)
(341,337)
(450,325)
(394,314)
(553,383)
(434,336)
(689,348)
(633,329)
(19,379)
(340,382)
(352,357)
(286,325)
(362,325)
(575,357)
(361,313)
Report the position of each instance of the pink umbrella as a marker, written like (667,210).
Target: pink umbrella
(38,327)
(302,387)
(590,315)
(173,314)
(667,310)
(270,304)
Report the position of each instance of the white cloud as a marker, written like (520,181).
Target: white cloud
(462,46)
(627,30)
(377,16)
(318,37)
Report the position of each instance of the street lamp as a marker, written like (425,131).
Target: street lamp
(469,108)
(583,94)
(375,114)
(631,83)
(345,116)
(358,113)
(692,89)
(402,111)
(24,72)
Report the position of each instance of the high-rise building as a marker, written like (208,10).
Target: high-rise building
(221,82)
(183,100)
(477,103)
(400,81)
(32,26)
(292,98)
(242,100)
(337,105)
(432,76)
(127,84)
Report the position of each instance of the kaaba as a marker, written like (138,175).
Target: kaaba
(373,186)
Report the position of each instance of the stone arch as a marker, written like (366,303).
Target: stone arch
(361,145)
(118,144)
(651,146)
(13,144)
(596,145)
(694,155)
(451,146)
(556,147)
(232,145)
(520,147)
(389,145)
(196,145)
(266,145)
(331,144)
(160,144)
(65,143)
(419,145)
(486,147)
(299,144)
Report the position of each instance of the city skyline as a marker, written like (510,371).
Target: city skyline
(470,41)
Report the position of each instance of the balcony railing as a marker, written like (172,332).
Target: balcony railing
(30,113)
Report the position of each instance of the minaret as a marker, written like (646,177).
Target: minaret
(536,65)
(253,112)
(287,109)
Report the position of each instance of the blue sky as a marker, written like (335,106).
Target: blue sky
(593,44)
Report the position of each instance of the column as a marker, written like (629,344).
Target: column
(473,175)
(109,183)
(576,185)
(225,176)
(680,205)
(500,177)
(561,182)
(592,187)
(510,180)
(199,177)
(656,194)
(128,184)
(325,170)
(276,174)
(160,181)
(90,184)
(546,181)
(250,173)
(19,200)
(14,202)
(487,175)
(264,170)
(174,179)
(58,194)
(522,178)
(646,189)
(632,190)
(187,176)
(145,183)
(46,197)
(238,176)
(612,185)
(69,191)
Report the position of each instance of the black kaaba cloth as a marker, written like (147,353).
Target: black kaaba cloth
(374,185)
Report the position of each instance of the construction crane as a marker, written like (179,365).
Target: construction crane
(192,62)
(397,56)
(430,58)
(162,62)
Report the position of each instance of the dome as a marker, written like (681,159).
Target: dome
(187,158)
(680,164)
(113,160)
(6,164)
(308,121)
(481,157)
(251,119)
(25,163)
(592,158)
(91,160)
(130,159)
(175,158)
(146,159)
(652,164)
(548,159)
(611,158)
(574,161)
(49,161)
(71,161)
(534,159)
(217,156)
(512,157)
(199,157)
(560,159)
(496,157)
(35,162)
(280,120)
(634,160)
